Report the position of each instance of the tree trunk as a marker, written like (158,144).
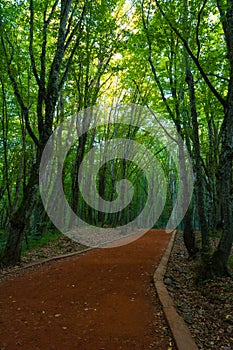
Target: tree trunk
(189,235)
(221,255)
(188,232)
(40,219)
(77,163)
(224,178)
(18,220)
(198,169)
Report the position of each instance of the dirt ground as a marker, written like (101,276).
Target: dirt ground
(206,308)
(102,299)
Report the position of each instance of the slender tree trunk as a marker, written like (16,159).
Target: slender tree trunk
(189,235)
(20,218)
(198,169)
(76,166)
(188,232)
(40,219)
(225,173)
(47,100)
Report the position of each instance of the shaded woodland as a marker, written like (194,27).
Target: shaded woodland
(175,57)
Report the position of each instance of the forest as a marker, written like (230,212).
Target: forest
(175,58)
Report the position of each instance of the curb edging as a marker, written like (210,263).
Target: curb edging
(56,258)
(45,261)
(181,334)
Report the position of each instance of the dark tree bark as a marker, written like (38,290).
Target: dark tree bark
(217,266)
(188,234)
(77,163)
(221,255)
(48,97)
(18,220)
(198,167)
(225,186)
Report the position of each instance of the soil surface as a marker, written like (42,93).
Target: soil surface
(103,299)
(207,308)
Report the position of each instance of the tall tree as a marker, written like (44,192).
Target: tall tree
(49,63)
(174,109)
(217,264)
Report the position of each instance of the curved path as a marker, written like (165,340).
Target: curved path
(100,300)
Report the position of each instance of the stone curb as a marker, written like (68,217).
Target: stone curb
(58,257)
(45,261)
(181,334)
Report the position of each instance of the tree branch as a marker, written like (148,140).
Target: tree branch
(197,28)
(18,96)
(78,26)
(53,80)
(52,12)
(153,67)
(34,69)
(194,58)
(70,59)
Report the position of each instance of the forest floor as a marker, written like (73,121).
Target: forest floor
(100,299)
(206,308)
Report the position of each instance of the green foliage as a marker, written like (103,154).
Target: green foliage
(32,242)
(122,51)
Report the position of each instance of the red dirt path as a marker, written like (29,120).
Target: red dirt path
(99,300)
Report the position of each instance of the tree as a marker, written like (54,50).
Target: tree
(151,25)
(217,263)
(49,78)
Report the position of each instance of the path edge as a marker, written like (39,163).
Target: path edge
(180,332)
(46,261)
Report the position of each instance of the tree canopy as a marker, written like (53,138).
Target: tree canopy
(173,57)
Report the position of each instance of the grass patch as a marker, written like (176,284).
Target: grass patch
(40,241)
